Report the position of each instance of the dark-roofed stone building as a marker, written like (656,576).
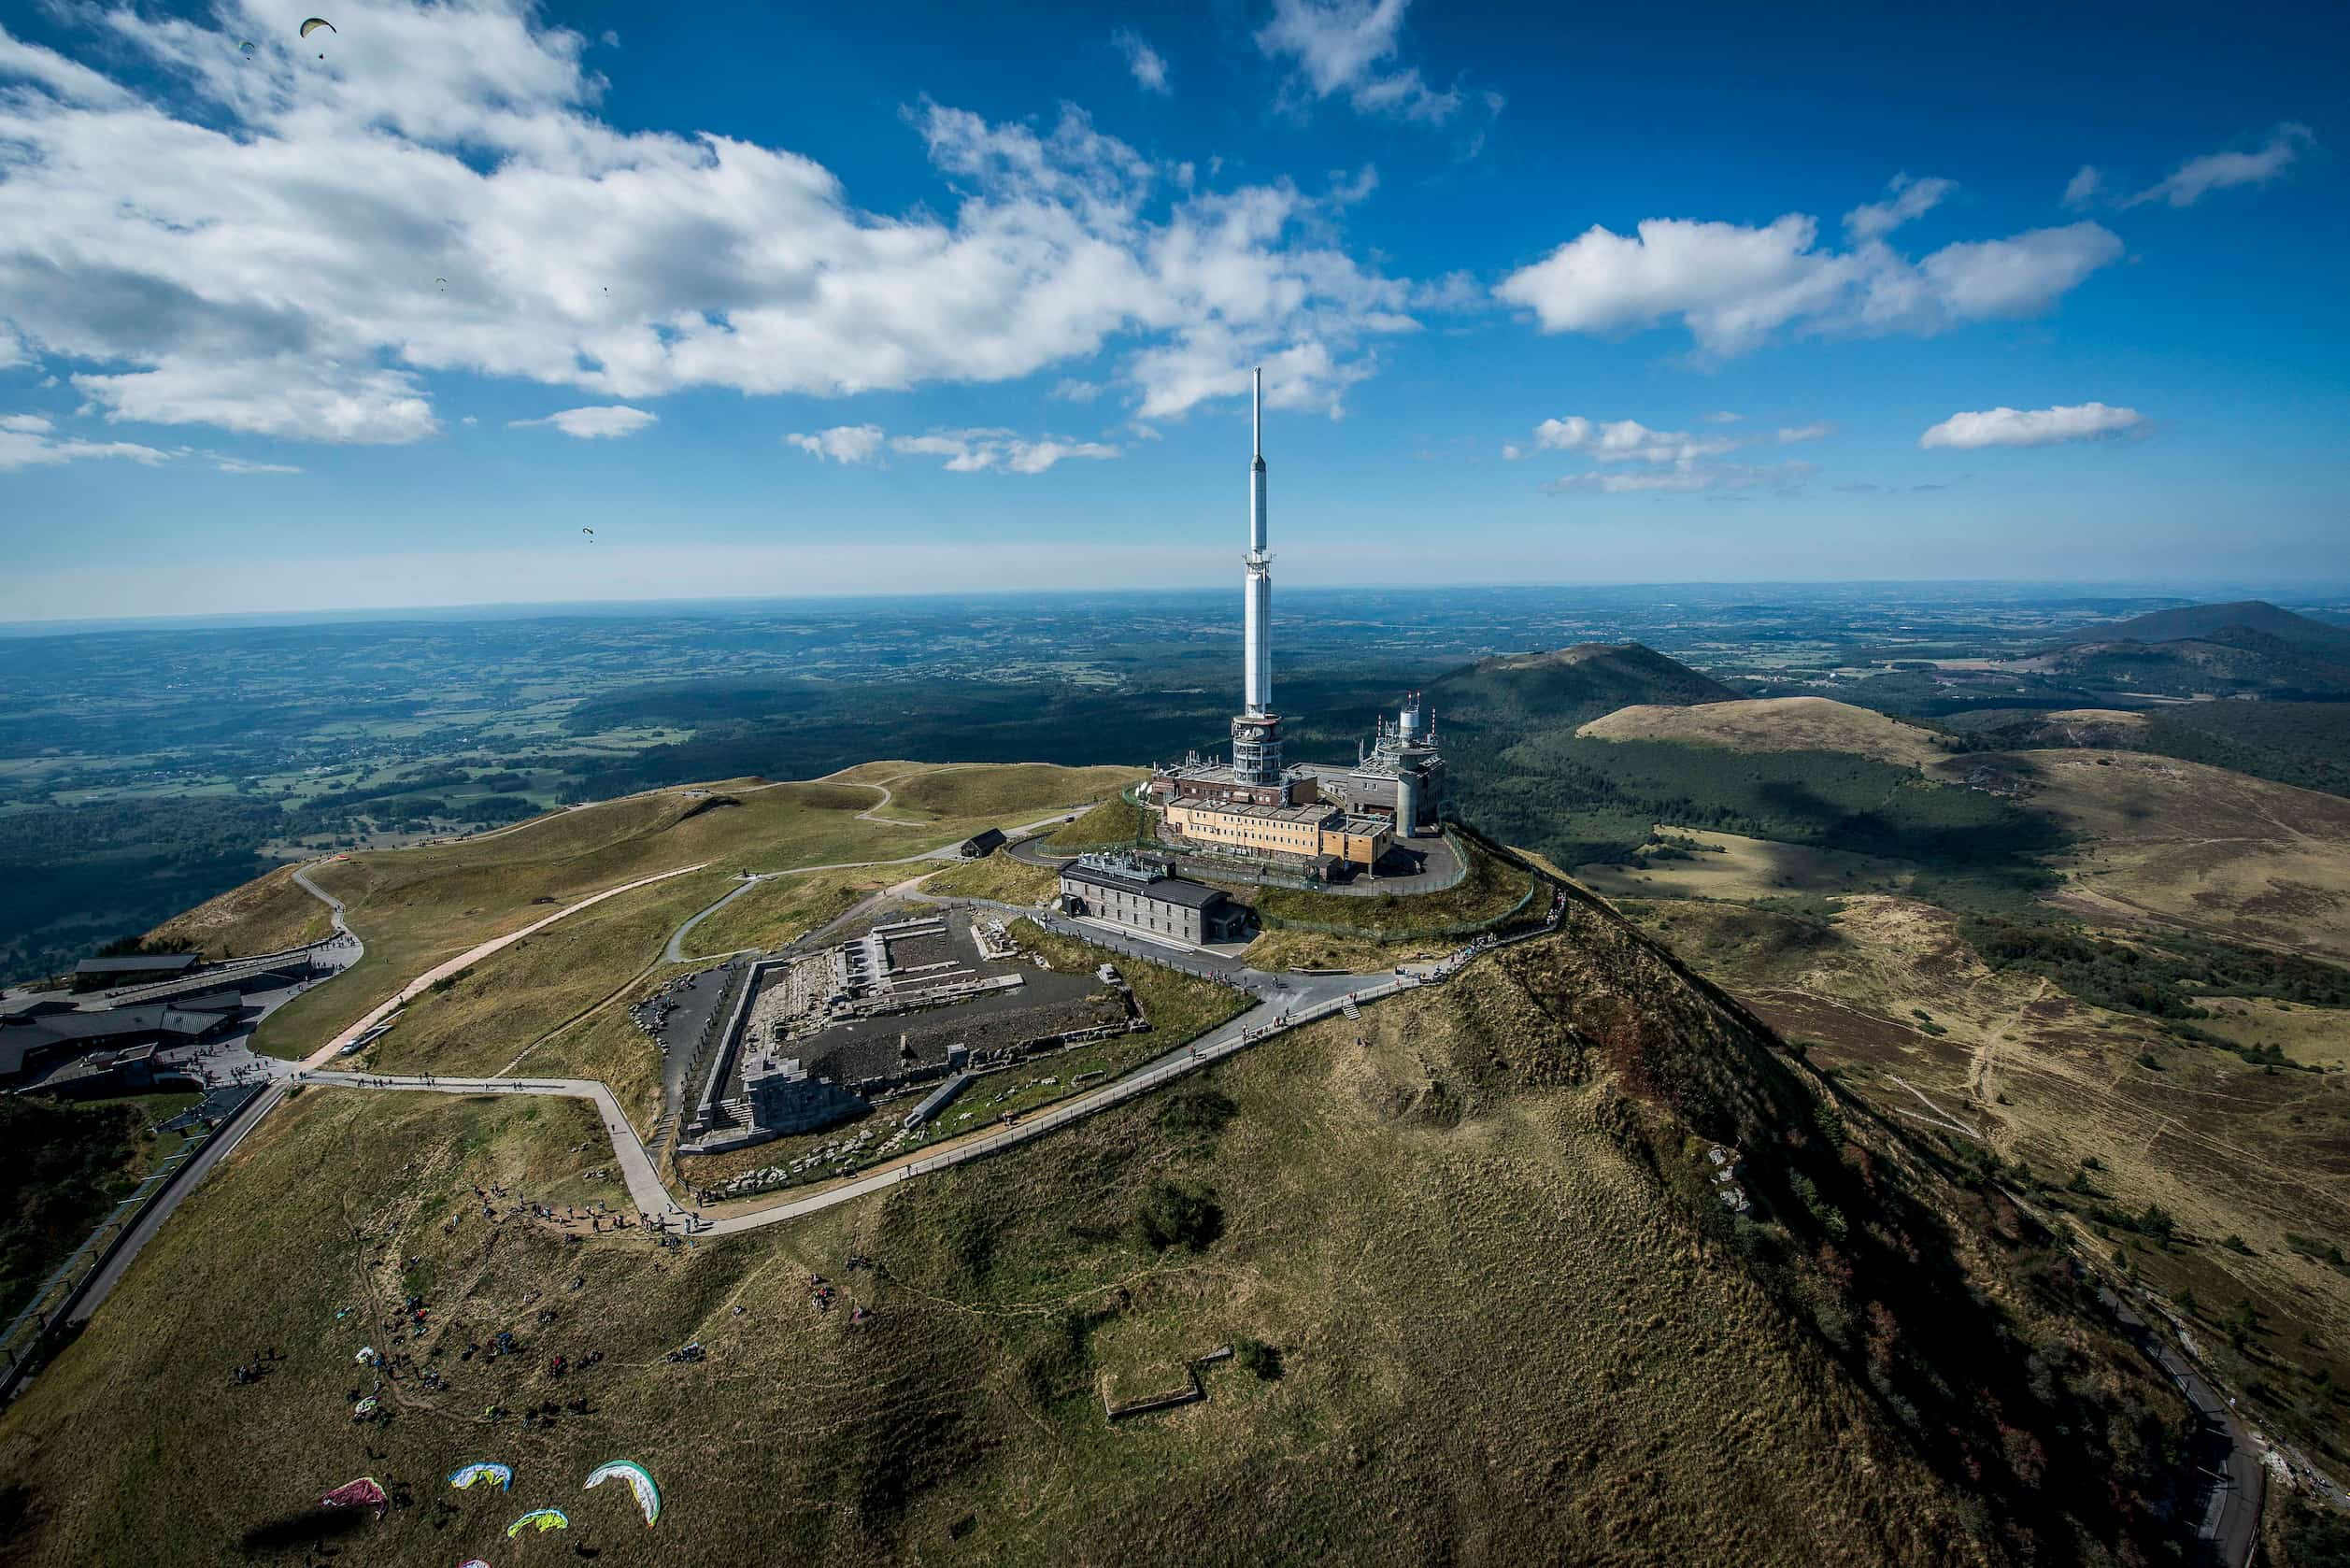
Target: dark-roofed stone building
(36,1038)
(1144,896)
(986,842)
(92,974)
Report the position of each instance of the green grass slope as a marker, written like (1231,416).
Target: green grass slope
(1491,1309)
(417,907)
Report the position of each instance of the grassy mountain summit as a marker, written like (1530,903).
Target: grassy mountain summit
(1589,678)
(1491,1308)
(2203,620)
(1776,724)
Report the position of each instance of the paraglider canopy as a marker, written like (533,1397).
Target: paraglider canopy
(246,49)
(540,1518)
(365,1492)
(314,24)
(466,1475)
(639,1481)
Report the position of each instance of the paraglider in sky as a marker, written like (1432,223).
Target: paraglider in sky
(639,1482)
(542,1519)
(246,49)
(365,1492)
(466,1476)
(591,533)
(314,24)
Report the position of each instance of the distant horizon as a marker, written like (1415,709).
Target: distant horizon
(567,306)
(2324,597)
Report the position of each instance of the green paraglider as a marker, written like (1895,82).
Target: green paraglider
(542,1519)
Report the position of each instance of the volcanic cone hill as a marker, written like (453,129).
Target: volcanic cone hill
(1487,1303)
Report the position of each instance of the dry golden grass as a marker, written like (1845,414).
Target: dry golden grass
(267,914)
(2319,1036)
(998,877)
(416,907)
(1775,724)
(2048,1081)
(786,908)
(1492,1320)
(2179,844)
(1738,867)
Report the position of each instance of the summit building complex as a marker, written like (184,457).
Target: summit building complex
(1328,821)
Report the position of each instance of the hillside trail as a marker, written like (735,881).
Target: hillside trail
(1985,1058)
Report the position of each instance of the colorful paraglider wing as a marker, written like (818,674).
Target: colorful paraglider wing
(314,24)
(473,1563)
(363,1409)
(246,49)
(365,1492)
(539,1518)
(639,1482)
(467,1475)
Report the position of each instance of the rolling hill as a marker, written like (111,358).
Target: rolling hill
(1776,724)
(1487,1304)
(2231,661)
(2203,620)
(1549,688)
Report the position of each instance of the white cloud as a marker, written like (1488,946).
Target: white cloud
(239,465)
(1628,441)
(1784,479)
(1905,199)
(2032,427)
(2197,178)
(2085,187)
(1352,190)
(1635,459)
(1789,435)
(1070,390)
(1511,453)
(605,424)
(977,451)
(1732,286)
(258,249)
(27,441)
(1723,415)
(843,443)
(1149,65)
(1346,48)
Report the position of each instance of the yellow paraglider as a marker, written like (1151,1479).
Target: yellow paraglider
(314,24)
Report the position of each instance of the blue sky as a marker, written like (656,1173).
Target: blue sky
(789,300)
